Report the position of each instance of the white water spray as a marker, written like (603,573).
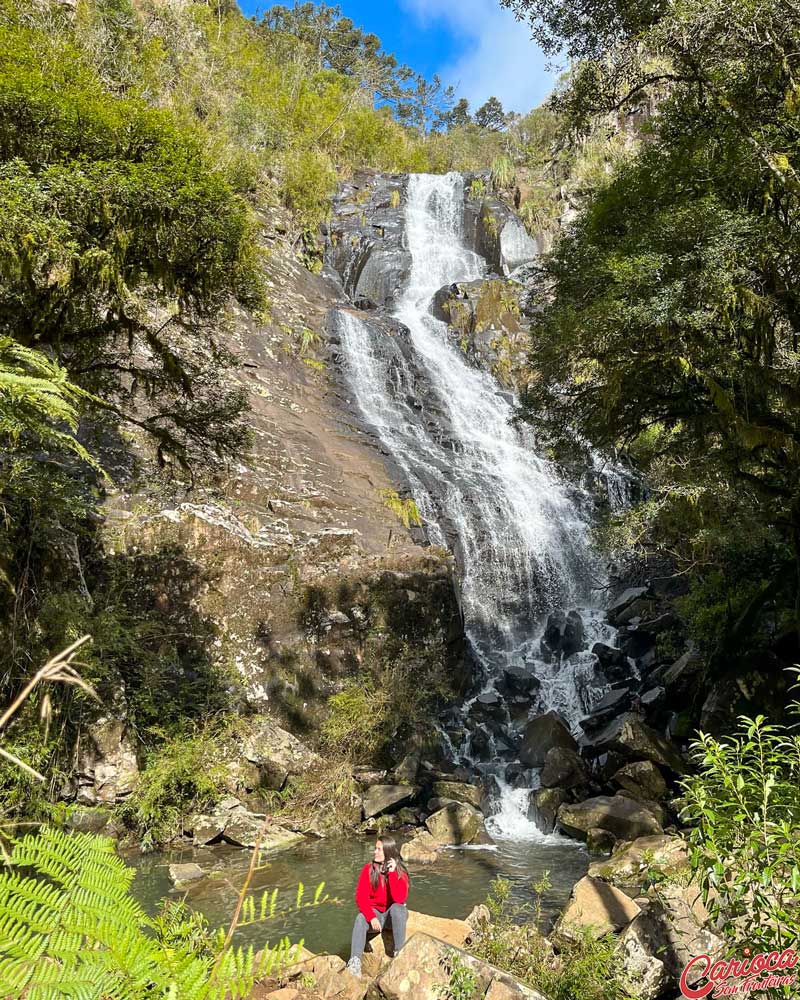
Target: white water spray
(520,532)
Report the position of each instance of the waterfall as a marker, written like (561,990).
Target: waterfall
(520,532)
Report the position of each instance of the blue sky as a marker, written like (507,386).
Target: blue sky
(473,44)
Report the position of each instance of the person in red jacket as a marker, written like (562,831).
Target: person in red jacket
(381,893)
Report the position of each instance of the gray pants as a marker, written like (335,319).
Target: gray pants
(397,914)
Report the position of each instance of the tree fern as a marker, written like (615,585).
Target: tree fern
(69,928)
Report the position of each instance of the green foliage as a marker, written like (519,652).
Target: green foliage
(71,928)
(745,802)
(404,509)
(503,173)
(357,718)
(666,328)
(581,969)
(183,775)
(462,983)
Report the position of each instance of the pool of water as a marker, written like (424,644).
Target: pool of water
(459,880)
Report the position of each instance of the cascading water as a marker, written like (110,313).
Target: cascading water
(519,531)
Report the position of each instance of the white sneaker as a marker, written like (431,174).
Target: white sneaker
(354,966)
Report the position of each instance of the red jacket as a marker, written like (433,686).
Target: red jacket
(391,888)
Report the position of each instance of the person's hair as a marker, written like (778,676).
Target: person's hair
(390,850)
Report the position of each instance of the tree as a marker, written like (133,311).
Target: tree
(490,115)
(671,311)
(459,114)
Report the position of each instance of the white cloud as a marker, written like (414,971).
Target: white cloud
(497,58)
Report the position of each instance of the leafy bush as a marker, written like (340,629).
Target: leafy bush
(745,802)
(183,775)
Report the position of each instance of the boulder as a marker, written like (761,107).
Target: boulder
(672,930)
(88,820)
(204,828)
(458,791)
(182,874)
(456,824)
(635,612)
(451,931)
(637,862)
(421,971)
(596,907)
(612,661)
(682,674)
(421,849)
(316,966)
(274,753)
(107,768)
(641,780)
(625,818)
(600,841)
(381,798)
(613,703)
(630,736)
(341,986)
(563,635)
(366,777)
(563,768)
(540,735)
(625,599)
(543,807)
(435,804)
(406,771)
(643,974)
(242,829)
(518,680)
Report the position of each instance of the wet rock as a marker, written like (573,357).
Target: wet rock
(623,602)
(630,736)
(456,824)
(381,798)
(607,708)
(597,908)
(613,662)
(635,863)
(540,735)
(563,635)
(520,681)
(489,705)
(600,841)
(564,768)
(641,779)
(625,818)
(421,970)
(182,874)
(543,807)
(459,791)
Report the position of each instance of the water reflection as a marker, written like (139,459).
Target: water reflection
(450,888)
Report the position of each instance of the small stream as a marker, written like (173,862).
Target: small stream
(459,880)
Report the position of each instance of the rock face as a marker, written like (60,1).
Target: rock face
(625,818)
(540,735)
(107,769)
(381,798)
(544,806)
(597,908)
(421,971)
(457,823)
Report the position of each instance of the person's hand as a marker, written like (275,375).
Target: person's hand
(375,924)
(391,865)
